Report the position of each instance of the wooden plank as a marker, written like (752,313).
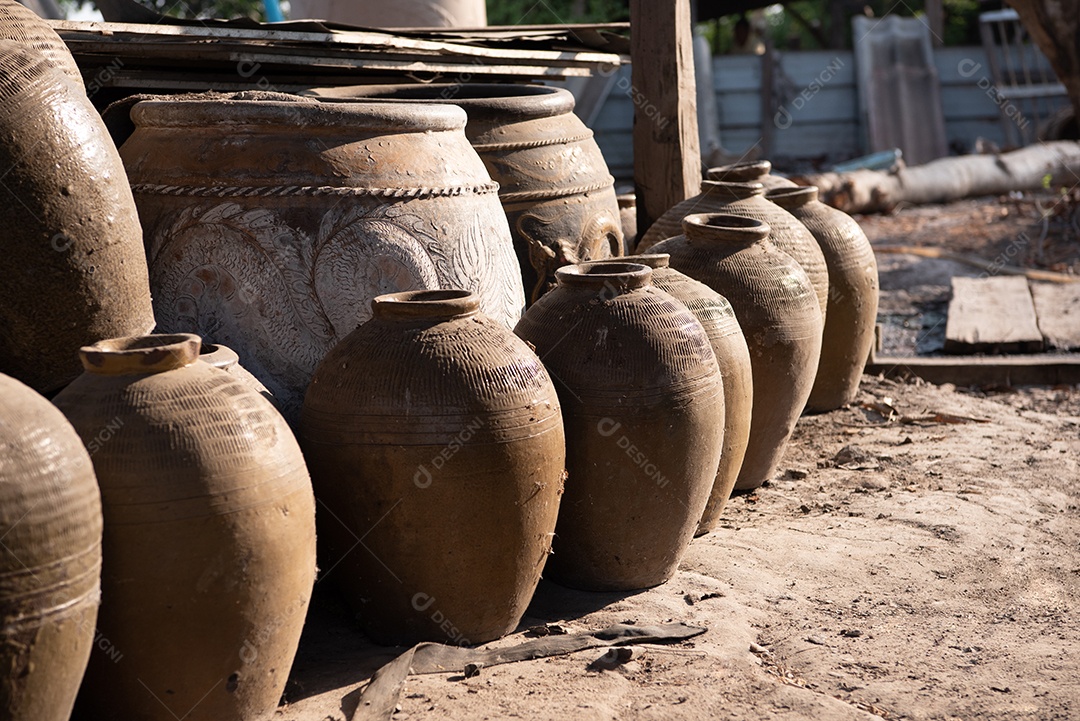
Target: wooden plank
(1058,309)
(667,156)
(992,315)
(1016,370)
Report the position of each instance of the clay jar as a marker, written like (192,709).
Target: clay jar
(209,547)
(50,519)
(779,315)
(554,184)
(434,435)
(750,171)
(643,404)
(73,265)
(271,221)
(718,319)
(22,25)
(853,296)
(748,199)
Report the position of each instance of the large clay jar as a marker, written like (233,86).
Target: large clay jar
(50,520)
(554,184)
(643,404)
(750,171)
(434,436)
(22,25)
(271,224)
(209,547)
(718,319)
(853,296)
(779,315)
(73,268)
(748,199)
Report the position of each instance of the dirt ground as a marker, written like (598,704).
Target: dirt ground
(919,558)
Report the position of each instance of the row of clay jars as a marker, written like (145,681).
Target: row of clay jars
(209,541)
(643,406)
(778,312)
(434,435)
(73,267)
(553,182)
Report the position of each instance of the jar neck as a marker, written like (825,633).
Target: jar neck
(425,305)
(747,171)
(140,354)
(789,198)
(706,229)
(727,191)
(611,277)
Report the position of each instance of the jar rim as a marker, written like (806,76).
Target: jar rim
(479,100)
(793,197)
(614,274)
(141,354)
(418,305)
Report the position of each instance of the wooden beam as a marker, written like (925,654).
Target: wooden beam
(982,370)
(992,315)
(667,156)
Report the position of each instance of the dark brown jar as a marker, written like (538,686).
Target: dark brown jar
(209,546)
(643,404)
(434,434)
(853,296)
(779,315)
(50,519)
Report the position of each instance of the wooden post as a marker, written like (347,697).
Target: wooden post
(667,157)
(935,19)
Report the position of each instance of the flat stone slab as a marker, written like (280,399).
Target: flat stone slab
(1057,306)
(992,315)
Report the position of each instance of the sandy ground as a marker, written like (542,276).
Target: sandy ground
(918,559)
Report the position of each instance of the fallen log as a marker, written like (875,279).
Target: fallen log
(949,179)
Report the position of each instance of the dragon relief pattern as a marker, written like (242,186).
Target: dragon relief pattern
(245,278)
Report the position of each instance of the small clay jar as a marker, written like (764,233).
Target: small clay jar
(749,171)
(50,518)
(22,25)
(718,319)
(73,264)
(643,404)
(853,296)
(748,199)
(779,315)
(434,434)
(209,547)
(628,220)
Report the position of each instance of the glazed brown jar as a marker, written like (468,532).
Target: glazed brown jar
(434,434)
(853,296)
(50,518)
(643,404)
(209,546)
(779,315)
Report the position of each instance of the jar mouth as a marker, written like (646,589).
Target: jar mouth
(651,260)
(606,274)
(141,354)
(478,99)
(414,305)
(218,356)
(725,227)
(732,189)
(742,171)
(793,197)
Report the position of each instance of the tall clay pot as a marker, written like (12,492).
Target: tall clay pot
(434,435)
(553,182)
(748,199)
(853,296)
(50,522)
(271,223)
(750,171)
(209,548)
(73,265)
(22,25)
(718,319)
(778,312)
(643,404)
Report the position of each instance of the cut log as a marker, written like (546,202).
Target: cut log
(1058,310)
(992,315)
(949,179)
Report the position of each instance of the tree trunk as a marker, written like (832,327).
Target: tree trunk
(1054,25)
(948,179)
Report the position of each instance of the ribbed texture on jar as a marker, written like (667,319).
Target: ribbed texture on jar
(777,310)
(853,303)
(20,24)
